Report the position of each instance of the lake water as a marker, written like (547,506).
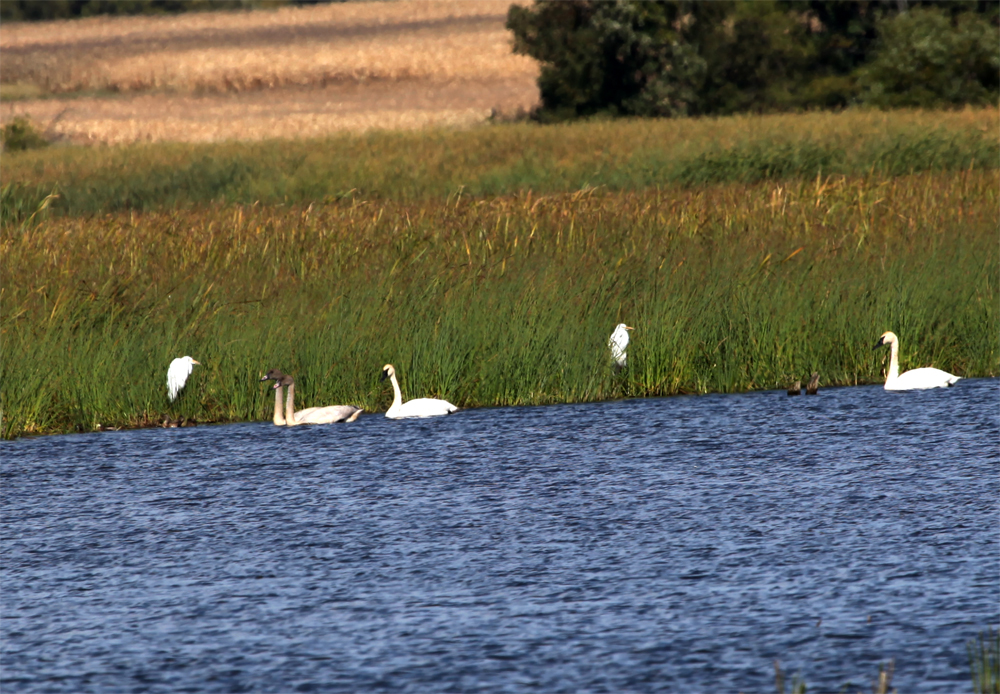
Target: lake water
(678,544)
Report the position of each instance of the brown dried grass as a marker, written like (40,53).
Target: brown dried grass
(292,72)
(238,51)
(275,113)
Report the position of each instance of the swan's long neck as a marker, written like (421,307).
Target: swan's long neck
(397,398)
(279,419)
(893,362)
(290,406)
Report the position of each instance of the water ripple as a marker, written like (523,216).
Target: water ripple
(675,544)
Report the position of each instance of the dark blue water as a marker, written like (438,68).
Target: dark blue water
(675,544)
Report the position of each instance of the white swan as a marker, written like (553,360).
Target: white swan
(618,342)
(917,379)
(310,415)
(421,407)
(177,375)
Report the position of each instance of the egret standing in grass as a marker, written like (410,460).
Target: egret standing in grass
(177,375)
(618,342)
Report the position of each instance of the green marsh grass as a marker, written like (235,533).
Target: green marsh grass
(499,301)
(500,160)
(984,660)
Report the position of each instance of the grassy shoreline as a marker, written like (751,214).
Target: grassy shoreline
(499,301)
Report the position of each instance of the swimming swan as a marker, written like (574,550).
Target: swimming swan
(421,407)
(279,392)
(618,342)
(917,379)
(310,415)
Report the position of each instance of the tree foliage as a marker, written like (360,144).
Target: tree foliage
(681,57)
(925,58)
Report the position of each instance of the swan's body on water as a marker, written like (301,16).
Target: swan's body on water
(310,415)
(177,375)
(916,379)
(421,407)
(618,343)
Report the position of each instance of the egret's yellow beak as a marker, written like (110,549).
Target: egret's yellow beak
(194,361)
(628,328)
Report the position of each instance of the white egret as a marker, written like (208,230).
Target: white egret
(177,375)
(421,407)
(618,342)
(917,379)
(310,415)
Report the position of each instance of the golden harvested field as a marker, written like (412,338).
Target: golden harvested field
(291,72)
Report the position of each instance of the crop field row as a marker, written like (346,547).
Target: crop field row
(496,301)
(238,51)
(290,72)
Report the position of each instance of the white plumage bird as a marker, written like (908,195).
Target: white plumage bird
(618,342)
(916,379)
(177,375)
(421,407)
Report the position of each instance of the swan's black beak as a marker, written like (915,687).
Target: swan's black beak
(265,378)
(880,343)
(385,375)
(277,384)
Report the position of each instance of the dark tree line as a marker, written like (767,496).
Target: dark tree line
(39,10)
(684,57)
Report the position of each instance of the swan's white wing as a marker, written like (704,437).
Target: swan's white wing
(177,376)
(423,407)
(923,379)
(326,415)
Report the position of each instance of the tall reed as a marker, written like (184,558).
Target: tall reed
(499,301)
(984,661)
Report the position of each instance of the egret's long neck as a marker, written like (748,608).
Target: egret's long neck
(397,398)
(893,361)
(279,419)
(290,406)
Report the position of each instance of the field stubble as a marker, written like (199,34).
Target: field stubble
(191,77)
(498,301)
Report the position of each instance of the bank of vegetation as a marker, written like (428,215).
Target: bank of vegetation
(497,300)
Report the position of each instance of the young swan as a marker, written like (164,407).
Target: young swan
(279,416)
(421,407)
(917,379)
(314,415)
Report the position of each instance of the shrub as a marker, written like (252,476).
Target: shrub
(19,135)
(617,57)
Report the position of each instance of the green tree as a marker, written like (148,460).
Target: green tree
(927,58)
(675,57)
(622,57)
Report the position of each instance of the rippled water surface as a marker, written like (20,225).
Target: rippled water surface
(675,544)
